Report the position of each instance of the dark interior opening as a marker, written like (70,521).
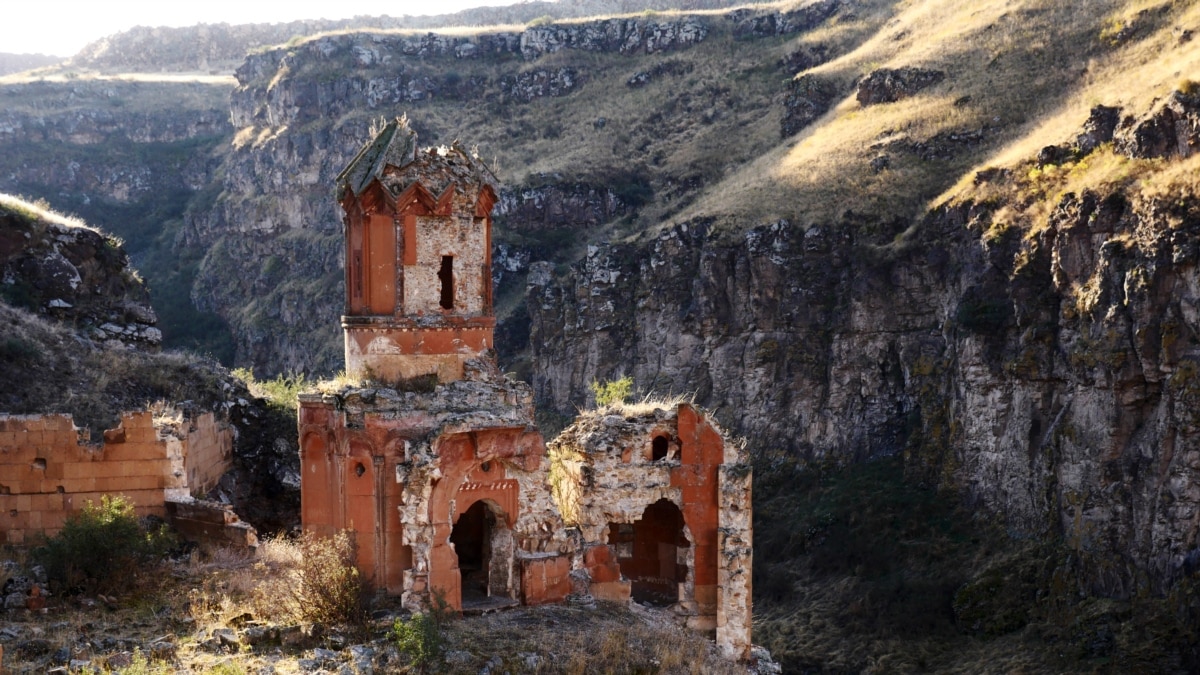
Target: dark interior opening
(648,552)
(658,448)
(471,537)
(446,276)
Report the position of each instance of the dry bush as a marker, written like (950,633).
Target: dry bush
(326,584)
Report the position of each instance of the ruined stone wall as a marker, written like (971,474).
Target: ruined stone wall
(619,475)
(400,468)
(460,237)
(48,469)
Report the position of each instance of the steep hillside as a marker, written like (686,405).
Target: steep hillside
(588,124)
(1028,340)
(78,333)
(134,155)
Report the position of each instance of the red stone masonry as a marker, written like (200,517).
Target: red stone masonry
(48,469)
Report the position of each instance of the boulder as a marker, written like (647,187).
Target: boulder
(887,85)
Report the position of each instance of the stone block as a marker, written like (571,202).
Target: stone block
(612,591)
(545,579)
(705,595)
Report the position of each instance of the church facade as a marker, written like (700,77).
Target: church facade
(435,462)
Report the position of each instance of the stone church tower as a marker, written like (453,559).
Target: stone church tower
(418,258)
(433,459)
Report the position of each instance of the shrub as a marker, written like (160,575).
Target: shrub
(280,392)
(328,587)
(612,392)
(421,636)
(102,547)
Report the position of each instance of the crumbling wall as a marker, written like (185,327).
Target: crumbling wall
(463,238)
(48,469)
(399,468)
(618,475)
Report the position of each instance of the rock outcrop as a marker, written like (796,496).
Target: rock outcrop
(887,85)
(61,268)
(1048,377)
(755,22)
(808,97)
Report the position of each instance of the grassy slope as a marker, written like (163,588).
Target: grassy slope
(60,371)
(1027,72)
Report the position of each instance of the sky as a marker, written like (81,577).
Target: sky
(62,27)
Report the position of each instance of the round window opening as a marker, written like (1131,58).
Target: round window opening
(359,469)
(486,467)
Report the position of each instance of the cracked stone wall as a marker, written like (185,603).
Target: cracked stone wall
(462,238)
(48,469)
(614,470)
(653,498)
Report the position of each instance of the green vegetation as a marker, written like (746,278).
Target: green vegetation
(421,638)
(102,548)
(612,392)
(860,569)
(280,392)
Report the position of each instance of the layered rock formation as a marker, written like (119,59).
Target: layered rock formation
(1048,374)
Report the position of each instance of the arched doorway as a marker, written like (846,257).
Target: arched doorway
(484,546)
(648,553)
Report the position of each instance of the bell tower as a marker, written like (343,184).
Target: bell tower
(418,232)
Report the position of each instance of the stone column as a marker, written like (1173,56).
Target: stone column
(735,557)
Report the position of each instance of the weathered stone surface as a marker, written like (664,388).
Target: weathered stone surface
(887,85)
(756,22)
(1048,378)
(1098,129)
(807,56)
(625,36)
(808,97)
(541,82)
(156,458)
(1171,130)
(75,274)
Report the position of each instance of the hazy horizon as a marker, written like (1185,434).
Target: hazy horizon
(63,27)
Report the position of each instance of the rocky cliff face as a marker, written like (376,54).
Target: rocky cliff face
(273,267)
(1047,373)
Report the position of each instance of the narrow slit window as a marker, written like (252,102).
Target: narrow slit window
(446,276)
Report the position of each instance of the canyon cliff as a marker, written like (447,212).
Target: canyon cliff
(845,242)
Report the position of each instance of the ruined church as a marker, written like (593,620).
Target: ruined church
(436,465)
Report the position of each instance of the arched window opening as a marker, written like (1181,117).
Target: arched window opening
(446,276)
(648,553)
(658,448)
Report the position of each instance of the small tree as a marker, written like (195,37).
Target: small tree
(102,547)
(612,392)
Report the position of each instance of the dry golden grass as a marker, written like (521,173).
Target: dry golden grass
(183,603)
(1052,67)
(39,210)
(1132,75)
